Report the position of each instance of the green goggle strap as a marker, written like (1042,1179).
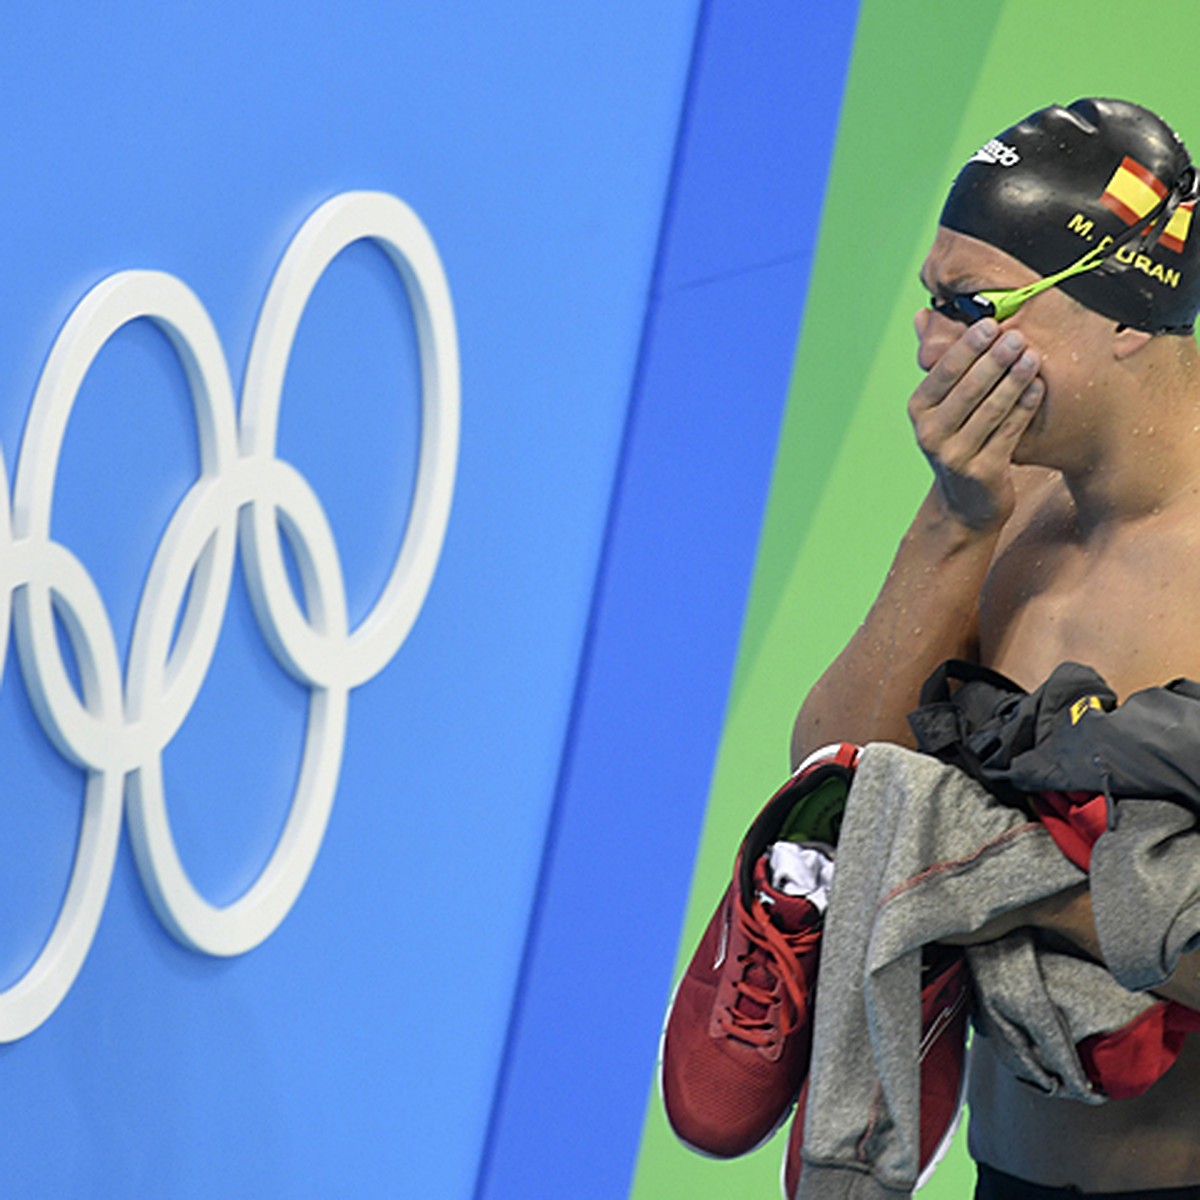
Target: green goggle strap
(1007,302)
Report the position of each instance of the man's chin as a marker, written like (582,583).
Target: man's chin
(1030,452)
(1025,451)
(1031,449)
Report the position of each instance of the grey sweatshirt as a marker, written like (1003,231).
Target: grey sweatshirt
(926,853)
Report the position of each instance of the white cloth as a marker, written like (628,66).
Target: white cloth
(806,871)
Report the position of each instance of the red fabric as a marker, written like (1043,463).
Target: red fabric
(1074,820)
(1125,1062)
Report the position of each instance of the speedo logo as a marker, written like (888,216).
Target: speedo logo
(997,153)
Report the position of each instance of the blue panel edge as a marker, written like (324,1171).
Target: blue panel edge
(688,500)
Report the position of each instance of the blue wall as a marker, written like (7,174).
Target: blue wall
(466,996)
(738,237)
(356,1051)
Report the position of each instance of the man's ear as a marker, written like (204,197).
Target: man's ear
(1127,342)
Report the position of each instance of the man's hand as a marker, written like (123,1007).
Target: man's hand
(969,413)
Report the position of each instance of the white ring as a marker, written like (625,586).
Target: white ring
(321,655)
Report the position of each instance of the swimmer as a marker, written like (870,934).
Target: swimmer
(1060,414)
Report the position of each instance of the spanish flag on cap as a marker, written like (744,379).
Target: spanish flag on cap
(1132,192)
(1178,227)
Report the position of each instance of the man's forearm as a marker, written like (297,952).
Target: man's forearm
(925,613)
(1070,916)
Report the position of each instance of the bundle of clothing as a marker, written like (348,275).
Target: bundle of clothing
(1014,798)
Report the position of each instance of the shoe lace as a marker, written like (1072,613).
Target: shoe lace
(770,959)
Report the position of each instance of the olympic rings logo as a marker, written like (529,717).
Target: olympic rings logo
(117,728)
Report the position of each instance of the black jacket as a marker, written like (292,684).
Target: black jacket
(1070,735)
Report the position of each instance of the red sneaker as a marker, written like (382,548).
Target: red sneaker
(945,1011)
(945,1006)
(736,1046)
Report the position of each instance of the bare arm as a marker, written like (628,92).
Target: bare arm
(925,613)
(1069,915)
(968,413)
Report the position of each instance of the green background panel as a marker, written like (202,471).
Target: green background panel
(928,84)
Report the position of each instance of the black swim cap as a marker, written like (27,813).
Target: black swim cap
(1064,179)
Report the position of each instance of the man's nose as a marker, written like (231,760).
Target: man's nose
(935,335)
